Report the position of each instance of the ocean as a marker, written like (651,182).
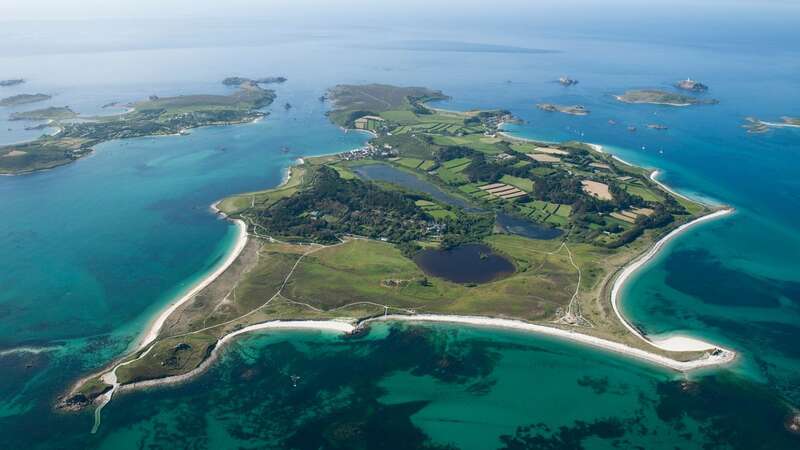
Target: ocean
(90,252)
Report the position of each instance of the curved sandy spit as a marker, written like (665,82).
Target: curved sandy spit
(674,343)
(722,357)
(152,331)
(317,325)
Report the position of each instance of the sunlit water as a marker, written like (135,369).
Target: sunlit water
(91,251)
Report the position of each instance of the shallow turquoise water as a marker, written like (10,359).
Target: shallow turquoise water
(89,252)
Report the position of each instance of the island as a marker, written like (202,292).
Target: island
(440,217)
(691,85)
(658,97)
(237,81)
(155,116)
(574,110)
(757,126)
(567,81)
(23,99)
(11,82)
(51,113)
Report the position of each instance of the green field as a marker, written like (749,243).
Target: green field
(411,163)
(356,272)
(523,183)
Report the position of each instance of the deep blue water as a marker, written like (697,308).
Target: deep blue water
(89,252)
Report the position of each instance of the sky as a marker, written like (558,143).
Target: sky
(83,9)
(729,23)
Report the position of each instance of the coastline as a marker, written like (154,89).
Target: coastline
(151,332)
(314,325)
(675,342)
(569,335)
(347,327)
(714,355)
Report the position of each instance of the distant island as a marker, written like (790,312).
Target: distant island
(51,113)
(658,97)
(440,217)
(574,110)
(756,126)
(155,116)
(12,82)
(237,81)
(567,81)
(24,99)
(691,85)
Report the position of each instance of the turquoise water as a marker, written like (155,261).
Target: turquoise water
(91,251)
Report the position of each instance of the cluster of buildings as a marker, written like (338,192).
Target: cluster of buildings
(369,151)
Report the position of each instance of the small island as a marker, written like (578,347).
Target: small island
(573,110)
(440,217)
(155,116)
(756,126)
(51,113)
(691,85)
(658,97)
(237,81)
(24,99)
(11,82)
(567,81)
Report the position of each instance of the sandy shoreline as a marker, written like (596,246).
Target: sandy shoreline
(573,336)
(674,343)
(314,325)
(152,330)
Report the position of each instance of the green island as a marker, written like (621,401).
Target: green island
(574,110)
(51,113)
(155,116)
(23,99)
(441,215)
(658,97)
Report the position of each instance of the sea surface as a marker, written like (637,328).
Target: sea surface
(90,252)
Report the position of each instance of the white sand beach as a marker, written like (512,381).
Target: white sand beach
(672,343)
(722,357)
(152,330)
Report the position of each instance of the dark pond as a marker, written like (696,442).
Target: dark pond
(470,263)
(521,227)
(384,172)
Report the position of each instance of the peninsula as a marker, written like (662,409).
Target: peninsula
(155,116)
(23,99)
(658,97)
(440,217)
